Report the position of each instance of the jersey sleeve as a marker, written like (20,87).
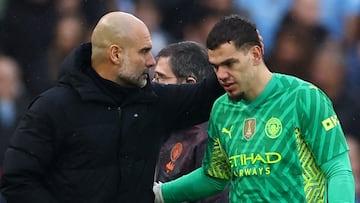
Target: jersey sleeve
(341,185)
(193,186)
(215,162)
(319,124)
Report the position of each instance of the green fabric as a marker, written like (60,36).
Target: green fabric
(284,146)
(340,179)
(193,186)
(272,147)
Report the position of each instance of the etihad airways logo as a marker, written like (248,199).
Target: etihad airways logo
(254,163)
(253,158)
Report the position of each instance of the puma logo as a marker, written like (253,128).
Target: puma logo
(226,131)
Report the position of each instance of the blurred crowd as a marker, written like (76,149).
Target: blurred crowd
(316,40)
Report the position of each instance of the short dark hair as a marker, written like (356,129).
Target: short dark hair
(233,28)
(187,59)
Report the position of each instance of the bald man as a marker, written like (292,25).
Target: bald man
(96,135)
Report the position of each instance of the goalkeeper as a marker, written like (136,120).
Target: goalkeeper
(273,137)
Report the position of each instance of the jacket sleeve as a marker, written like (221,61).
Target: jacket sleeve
(190,103)
(28,157)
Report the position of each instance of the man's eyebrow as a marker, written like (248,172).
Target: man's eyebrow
(230,60)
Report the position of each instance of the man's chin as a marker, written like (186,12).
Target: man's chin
(237,97)
(136,84)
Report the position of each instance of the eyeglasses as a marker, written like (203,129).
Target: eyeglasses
(161,78)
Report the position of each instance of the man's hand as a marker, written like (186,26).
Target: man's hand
(158,193)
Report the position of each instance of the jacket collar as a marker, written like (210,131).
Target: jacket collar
(74,73)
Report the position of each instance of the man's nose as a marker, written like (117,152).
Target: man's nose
(150,61)
(221,73)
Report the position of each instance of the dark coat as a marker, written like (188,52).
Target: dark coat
(77,144)
(20,104)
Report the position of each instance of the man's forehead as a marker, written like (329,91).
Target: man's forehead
(221,53)
(163,64)
(142,37)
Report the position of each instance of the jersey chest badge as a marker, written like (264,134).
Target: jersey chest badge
(249,128)
(273,128)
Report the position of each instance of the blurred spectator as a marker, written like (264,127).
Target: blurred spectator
(306,15)
(353,55)
(2,199)
(12,101)
(68,7)
(125,5)
(223,7)
(267,15)
(354,145)
(293,52)
(199,26)
(338,16)
(328,72)
(148,11)
(3,7)
(90,11)
(70,31)
(26,33)
(94,9)
(177,14)
(299,34)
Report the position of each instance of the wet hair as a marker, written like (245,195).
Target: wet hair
(187,59)
(233,28)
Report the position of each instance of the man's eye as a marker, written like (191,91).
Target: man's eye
(145,51)
(230,64)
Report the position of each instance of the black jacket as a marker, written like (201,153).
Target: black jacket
(77,143)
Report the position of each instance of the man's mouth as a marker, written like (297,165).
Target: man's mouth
(227,86)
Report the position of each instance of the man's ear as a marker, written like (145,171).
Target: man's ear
(116,54)
(190,80)
(256,51)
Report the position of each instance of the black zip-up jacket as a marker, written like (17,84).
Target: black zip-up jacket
(79,144)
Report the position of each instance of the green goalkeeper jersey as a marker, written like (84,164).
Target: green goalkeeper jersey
(271,148)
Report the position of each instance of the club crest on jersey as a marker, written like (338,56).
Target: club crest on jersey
(249,128)
(174,155)
(273,128)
